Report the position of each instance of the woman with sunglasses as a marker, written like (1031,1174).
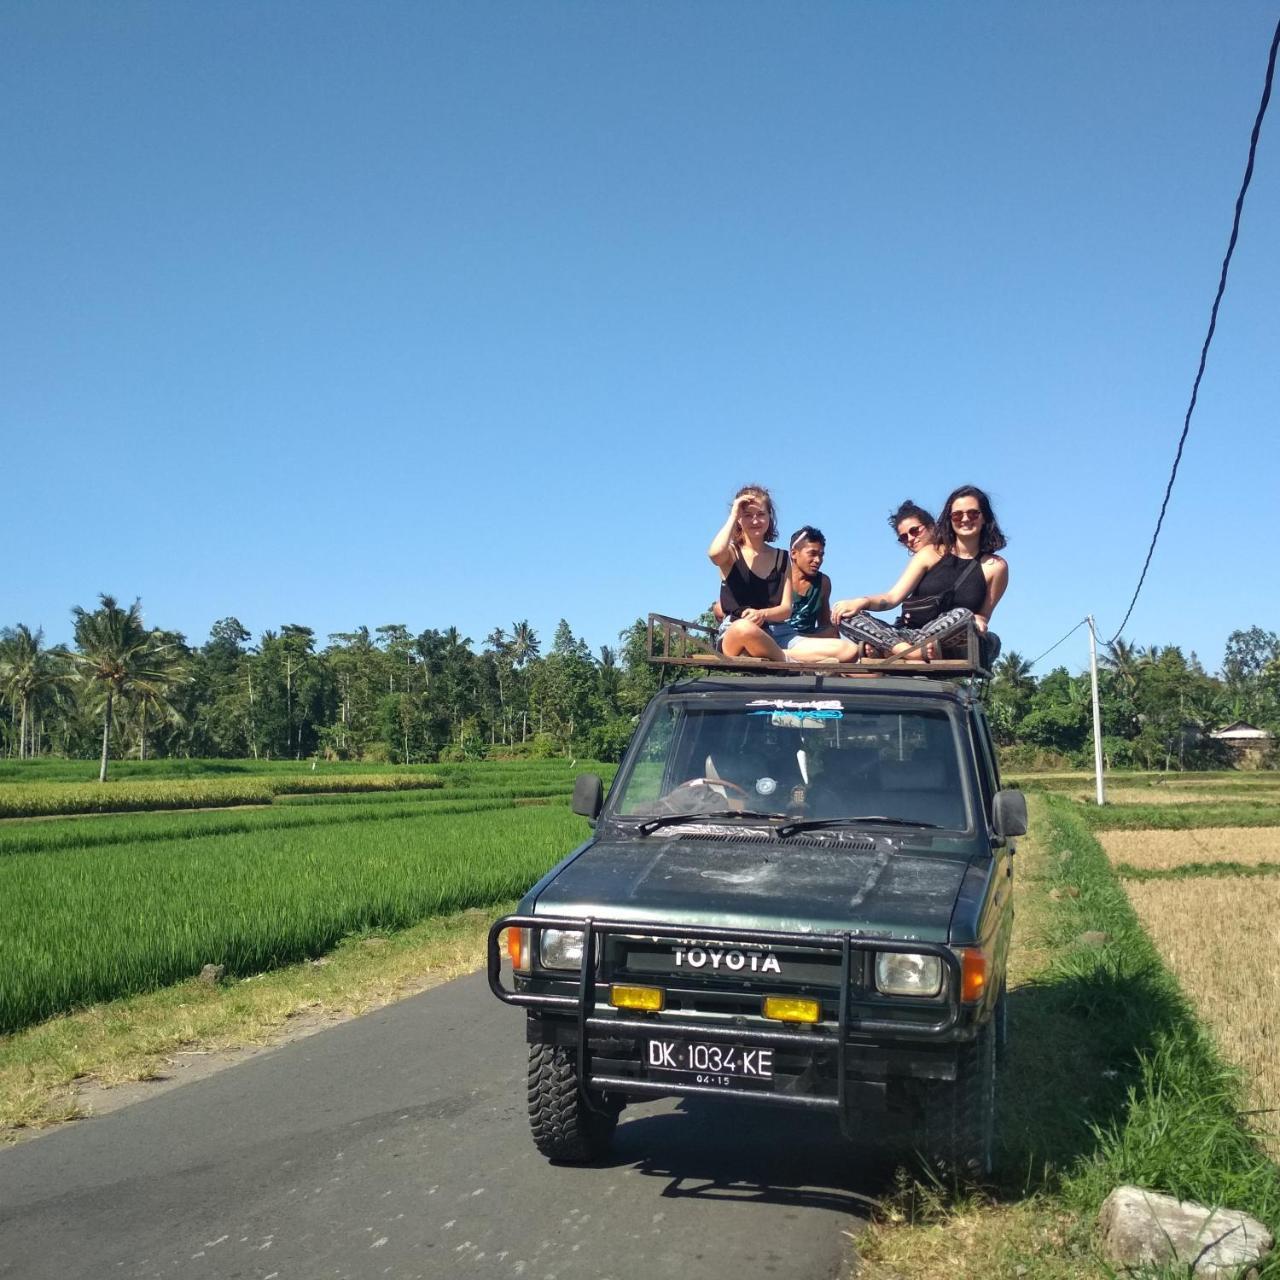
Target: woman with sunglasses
(913,525)
(956,578)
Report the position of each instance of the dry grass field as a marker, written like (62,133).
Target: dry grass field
(1168,850)
(1221,938)
(1240,781)
(1182,795)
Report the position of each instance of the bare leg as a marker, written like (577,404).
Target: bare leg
(806,648)
(756,642)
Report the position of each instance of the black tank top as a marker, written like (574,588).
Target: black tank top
(970,594)
(741,589)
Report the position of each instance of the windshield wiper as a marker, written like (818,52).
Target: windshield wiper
(650,825)
(818,824)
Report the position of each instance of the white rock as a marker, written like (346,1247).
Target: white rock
(1141,1228)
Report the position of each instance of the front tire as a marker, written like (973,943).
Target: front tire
(564,1127)
(960,1114)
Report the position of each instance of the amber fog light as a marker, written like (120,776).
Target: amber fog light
(646,999)
(791,1009)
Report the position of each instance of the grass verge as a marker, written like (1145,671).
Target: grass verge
(1110,1079)
(43,1070)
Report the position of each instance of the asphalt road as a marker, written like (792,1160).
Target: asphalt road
(397,1145)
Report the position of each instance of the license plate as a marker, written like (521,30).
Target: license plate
(724,1066)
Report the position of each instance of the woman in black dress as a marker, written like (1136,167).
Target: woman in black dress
(755,585)
(956,578)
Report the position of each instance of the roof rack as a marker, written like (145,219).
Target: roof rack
(676,642)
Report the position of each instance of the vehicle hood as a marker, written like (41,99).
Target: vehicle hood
(871,886)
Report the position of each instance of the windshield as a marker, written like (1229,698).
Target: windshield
(804,760)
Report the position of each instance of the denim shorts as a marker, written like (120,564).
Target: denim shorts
(783,633)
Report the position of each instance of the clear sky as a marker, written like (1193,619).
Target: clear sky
(465,313)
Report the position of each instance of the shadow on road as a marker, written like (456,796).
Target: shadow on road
(1076,1042)
(752,1155)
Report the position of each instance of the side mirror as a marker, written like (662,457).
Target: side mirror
(1009,813)
(588,796)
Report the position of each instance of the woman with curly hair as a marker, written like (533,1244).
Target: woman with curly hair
(955,579)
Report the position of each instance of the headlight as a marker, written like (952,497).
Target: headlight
(904,973)
(562,948)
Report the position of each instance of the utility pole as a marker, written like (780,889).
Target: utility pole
(1097,713)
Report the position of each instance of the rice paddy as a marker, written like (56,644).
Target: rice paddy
(1185,795)
(1203,875)
(1221,938)
(95,908)
(1202,846)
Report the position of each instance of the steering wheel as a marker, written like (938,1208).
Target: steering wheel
(681,799)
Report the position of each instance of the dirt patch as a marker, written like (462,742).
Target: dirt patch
(185,1066)
(1167,850)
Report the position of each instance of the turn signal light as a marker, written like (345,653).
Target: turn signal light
(974,964)
(791,1009)
(518,949)
(646,999)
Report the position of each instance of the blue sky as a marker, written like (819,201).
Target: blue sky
(466,313)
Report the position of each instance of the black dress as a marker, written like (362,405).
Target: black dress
(741,589)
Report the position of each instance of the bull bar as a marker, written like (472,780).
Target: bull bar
(846,944)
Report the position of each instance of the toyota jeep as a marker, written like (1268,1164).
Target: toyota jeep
(798,893)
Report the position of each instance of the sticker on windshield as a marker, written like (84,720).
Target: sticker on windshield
(808,719)
(786,704)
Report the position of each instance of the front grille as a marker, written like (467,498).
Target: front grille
(696,963)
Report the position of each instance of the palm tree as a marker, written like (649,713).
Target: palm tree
(116,655)
(150,691)
(1125,660)
(496,640)
(30,676)
(525,644)
(1014,670)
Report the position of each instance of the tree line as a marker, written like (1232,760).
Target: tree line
(125,690)
(1158,706)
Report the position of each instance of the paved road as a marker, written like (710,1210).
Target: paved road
(397,1145)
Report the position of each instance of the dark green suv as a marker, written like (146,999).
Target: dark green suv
(798,893)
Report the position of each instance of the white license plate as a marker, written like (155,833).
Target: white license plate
(723,1066)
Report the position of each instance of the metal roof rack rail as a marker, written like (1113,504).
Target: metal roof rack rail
(676,642)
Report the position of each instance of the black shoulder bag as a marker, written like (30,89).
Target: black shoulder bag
(919,611)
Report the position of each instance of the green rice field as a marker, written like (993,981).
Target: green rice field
(48,788)
(96,907)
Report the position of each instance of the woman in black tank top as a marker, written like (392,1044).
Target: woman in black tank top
(755,585)
(960,566)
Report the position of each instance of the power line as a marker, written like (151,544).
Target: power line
(1056,643)
(1213,322)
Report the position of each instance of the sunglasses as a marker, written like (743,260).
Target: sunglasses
(914,532)
(963,517)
